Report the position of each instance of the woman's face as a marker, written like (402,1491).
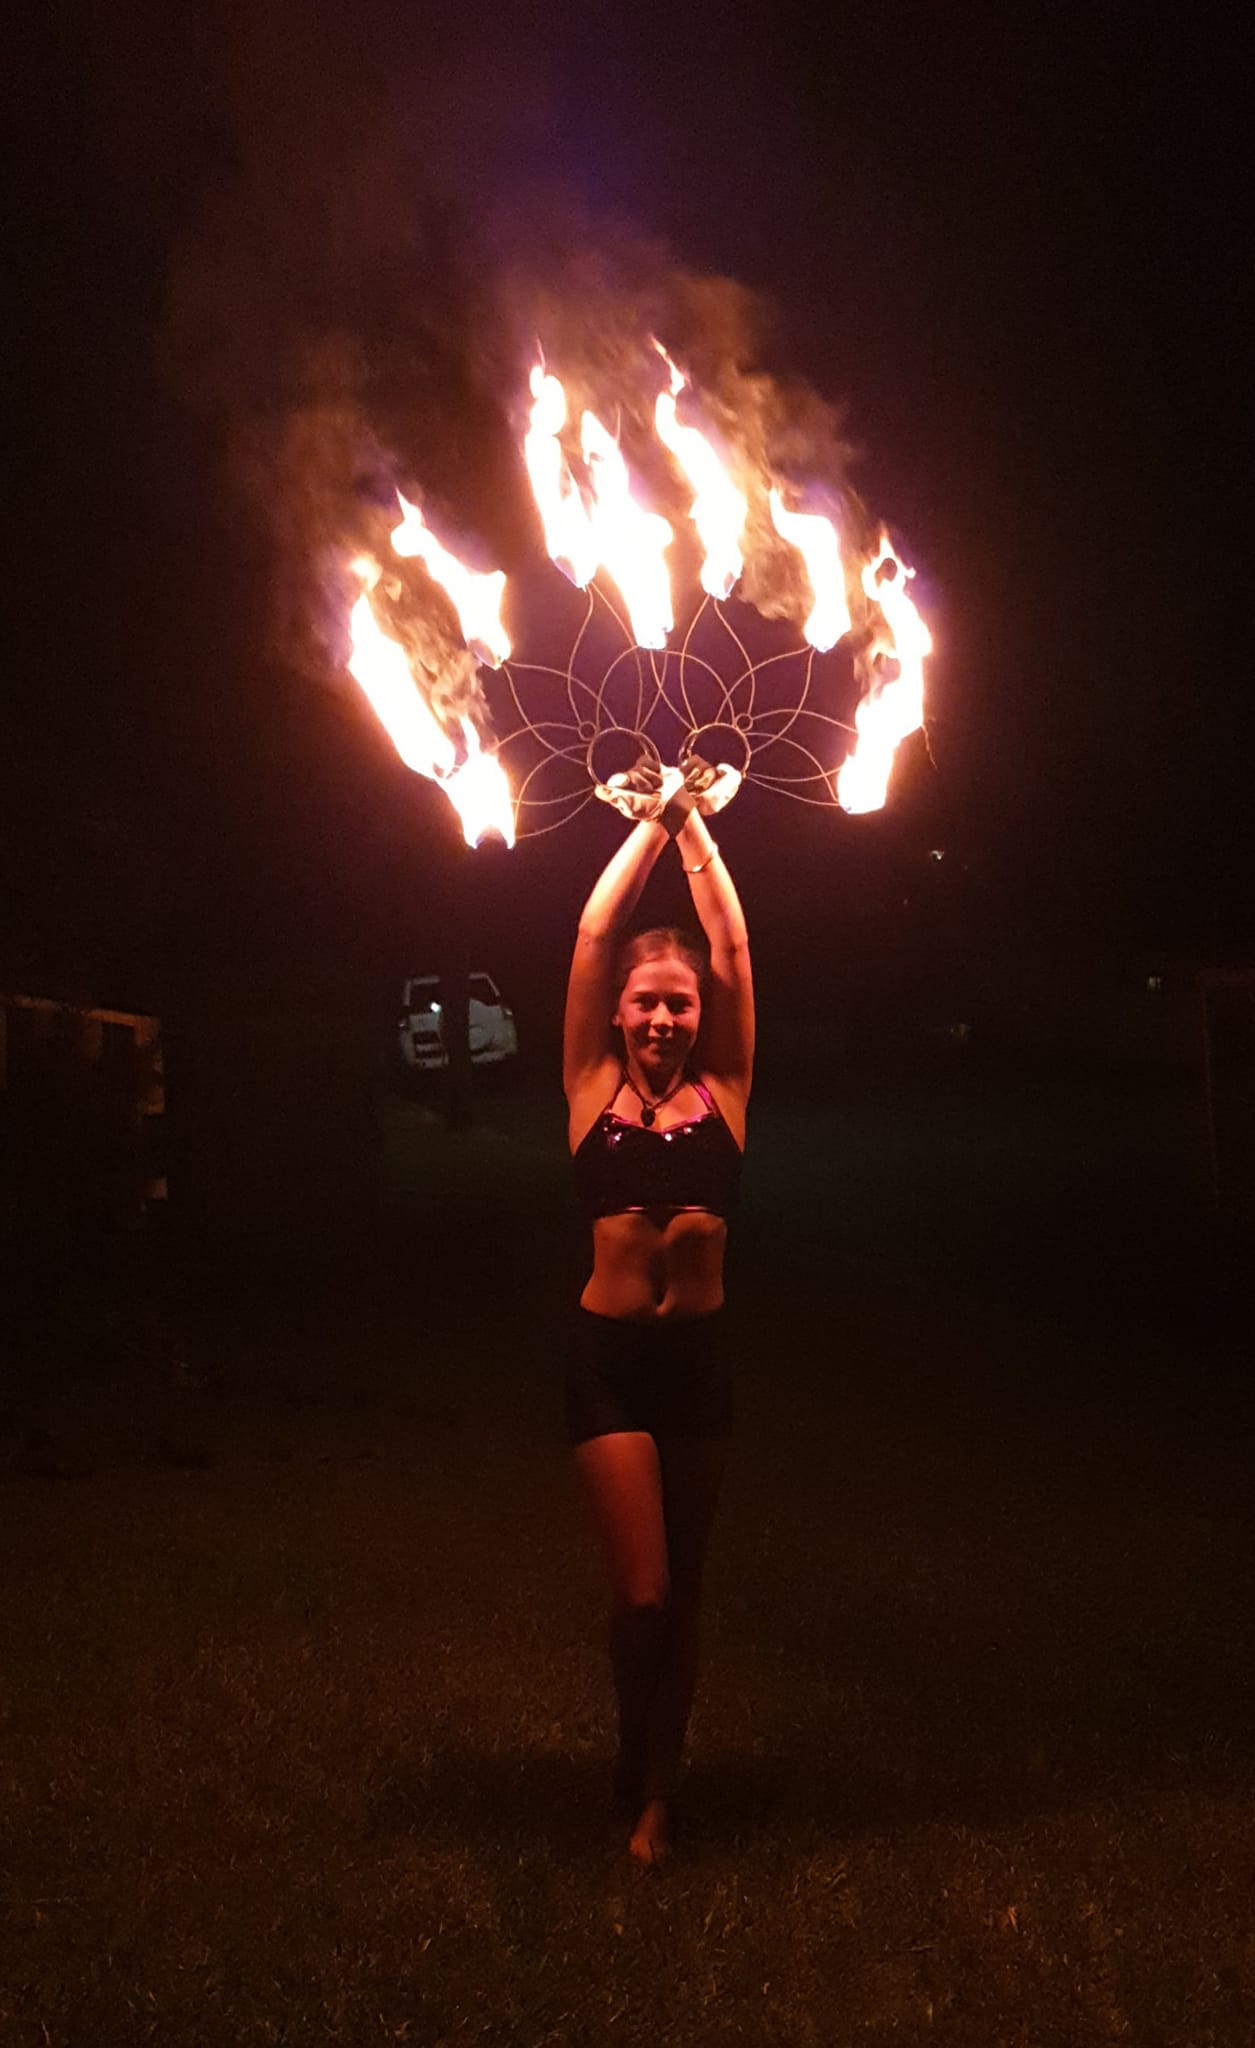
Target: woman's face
(658,1012)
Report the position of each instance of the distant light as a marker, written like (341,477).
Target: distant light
(1155,983)
(937,853)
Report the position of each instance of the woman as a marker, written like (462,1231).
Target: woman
(657,1059)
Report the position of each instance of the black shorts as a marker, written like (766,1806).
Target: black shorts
(670,1379)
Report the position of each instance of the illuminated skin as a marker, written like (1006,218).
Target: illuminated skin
(653,1502)
(657,1264)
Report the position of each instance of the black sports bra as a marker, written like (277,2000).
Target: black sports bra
(621,1168)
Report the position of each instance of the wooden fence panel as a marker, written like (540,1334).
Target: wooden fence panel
(82,1106)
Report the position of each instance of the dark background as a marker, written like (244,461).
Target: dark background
(1008,250)
(978,1646)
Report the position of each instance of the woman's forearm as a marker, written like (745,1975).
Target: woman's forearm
(615,892)
(715,899)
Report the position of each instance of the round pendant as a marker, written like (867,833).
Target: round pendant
(647,1116)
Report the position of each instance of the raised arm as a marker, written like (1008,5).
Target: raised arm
(728,1026)
(587,1045)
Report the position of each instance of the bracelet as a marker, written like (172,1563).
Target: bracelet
(702,866)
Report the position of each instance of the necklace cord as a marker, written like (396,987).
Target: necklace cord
(649,1110)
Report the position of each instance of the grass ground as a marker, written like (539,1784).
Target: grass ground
(305,1717)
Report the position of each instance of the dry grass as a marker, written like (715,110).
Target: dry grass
(305,1739)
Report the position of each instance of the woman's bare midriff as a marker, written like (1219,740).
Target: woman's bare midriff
(656,1265)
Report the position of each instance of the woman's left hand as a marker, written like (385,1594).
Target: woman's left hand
(711,788)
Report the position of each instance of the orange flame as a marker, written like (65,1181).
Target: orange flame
(891,709)
(719,508)
(608,530)
(568,530)
(630,541)
(476,595)
(815,539)
(379,664)
(475,786)
(479,792)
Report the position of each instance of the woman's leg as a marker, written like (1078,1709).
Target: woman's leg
(622,1480)
(692,1474)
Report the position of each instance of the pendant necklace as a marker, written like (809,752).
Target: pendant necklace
(649,1110)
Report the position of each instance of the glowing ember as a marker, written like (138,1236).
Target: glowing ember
(568,531)
(894,707)
(719,509)
(815,539)
(476,595)
(630,541)
(476,786)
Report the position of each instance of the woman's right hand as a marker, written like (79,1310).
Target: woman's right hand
(641,794)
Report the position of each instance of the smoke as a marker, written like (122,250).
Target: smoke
(358,304)
(594,295)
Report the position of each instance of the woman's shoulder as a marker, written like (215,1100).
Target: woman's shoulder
(730,1098)
(588,1094)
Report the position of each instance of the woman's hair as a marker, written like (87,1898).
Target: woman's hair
(655,944)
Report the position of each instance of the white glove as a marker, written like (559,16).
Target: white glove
(712,789)
(641,793)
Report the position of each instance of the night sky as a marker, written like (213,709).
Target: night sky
(1009,253)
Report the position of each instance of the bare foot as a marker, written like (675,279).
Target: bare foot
(651,1837)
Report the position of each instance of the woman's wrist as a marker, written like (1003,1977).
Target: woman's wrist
(696,846)
(694,839)
(675,816)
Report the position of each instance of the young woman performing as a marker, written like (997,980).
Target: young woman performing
(658,1053)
